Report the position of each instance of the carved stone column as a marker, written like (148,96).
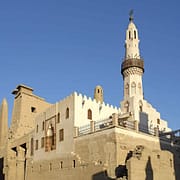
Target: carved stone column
(20,163)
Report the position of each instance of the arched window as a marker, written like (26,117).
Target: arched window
(61,164)
(126,106)
(140,106)
(133,88)
(158,121)
(67,113)
(58,117)
(127,89)
(134,34)
(89,114)
(129,34)
(37,127)
(43,126)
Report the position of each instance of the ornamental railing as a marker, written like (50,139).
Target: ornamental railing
(114,121)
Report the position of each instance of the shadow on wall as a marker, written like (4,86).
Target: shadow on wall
(143,123)
(149,170)
(1,169)
(172,145)
(121,171)
(101,176)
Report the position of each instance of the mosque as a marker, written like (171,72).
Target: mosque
(83,138)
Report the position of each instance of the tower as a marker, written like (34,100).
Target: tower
(98,94)
(26,106)
(3,123)
(134,106)
(132,69)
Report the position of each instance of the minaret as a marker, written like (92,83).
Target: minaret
(132,67)
(133,106)
(3,123)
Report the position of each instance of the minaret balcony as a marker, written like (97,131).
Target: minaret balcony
(133,62)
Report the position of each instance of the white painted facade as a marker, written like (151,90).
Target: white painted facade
(78,106)
(77,110)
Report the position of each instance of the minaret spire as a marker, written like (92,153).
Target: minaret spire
(3,123)
(132,40)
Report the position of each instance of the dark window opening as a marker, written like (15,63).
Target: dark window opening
(42,142)
(140,108)
(129,34)
(67,113)
(36,147)
(61,164)
(134,34)
(58,118)
(43,125)
(33,109)
(74,163)
(158,121)
(37,127)
(89,114)
(61,134)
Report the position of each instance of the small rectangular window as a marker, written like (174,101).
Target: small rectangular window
(43,126)
(42,142)
(36,147)
(58,118)
(33,109)
(74,164)
(158,121)
(37,127)
(61,134)
(61,164)
(67,113)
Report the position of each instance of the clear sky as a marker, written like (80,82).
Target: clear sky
(61,46)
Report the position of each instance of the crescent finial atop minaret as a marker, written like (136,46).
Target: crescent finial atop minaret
(131,18)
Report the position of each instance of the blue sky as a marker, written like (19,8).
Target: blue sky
(61,46)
